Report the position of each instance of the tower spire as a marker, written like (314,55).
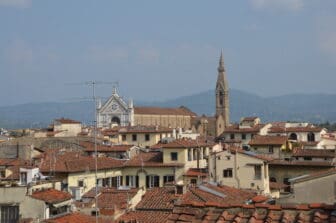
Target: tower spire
(222,98)
(221,63)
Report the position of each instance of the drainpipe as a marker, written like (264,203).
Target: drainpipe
(236,169)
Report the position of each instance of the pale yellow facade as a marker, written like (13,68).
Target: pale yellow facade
(142,139)
(188,156)
(67,129)
(239,170)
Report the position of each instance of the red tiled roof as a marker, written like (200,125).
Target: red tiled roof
(67,121)
(144,217)
(268,140)
(89,147)
(317,175)
(66,162)
(149,159)
(185,143)
(236,129)
(158,198)
(231,195)
(194,172)
(51,196)
(249,118)
(282,129)
(276,185)
(300,163)
(163,111)
(112,198)
(248,153)
(313,153)
(258,213)
(78,217)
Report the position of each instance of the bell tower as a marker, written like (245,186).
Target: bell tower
(222,99)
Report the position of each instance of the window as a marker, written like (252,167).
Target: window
(9,213)
(243,136)
(80,183)
(228,157)
(168,178)
(189,154)
(152,181)
(132,181)
(173,156)
(195,155)
(2,173)
(257,172)
(134,137)
(116,181)
(232,136)
(100,182)
(270,149)
(23,178)
(123,137)
(227,173)
(311,137)
(147,137)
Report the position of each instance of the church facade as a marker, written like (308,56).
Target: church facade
(116,112)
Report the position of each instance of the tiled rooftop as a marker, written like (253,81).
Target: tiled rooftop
(51,196)
(163,111)
(236,129)
(185,143)
(67,121)
(78,217)
(66,162)
(313,153)
(89,147)
(158,198)
(144,217)
(229,195)
(259,213)
(268,140)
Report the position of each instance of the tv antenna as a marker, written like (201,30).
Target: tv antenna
(92,85)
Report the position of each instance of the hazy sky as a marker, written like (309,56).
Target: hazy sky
(164,49)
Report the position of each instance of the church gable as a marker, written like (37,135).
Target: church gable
(114,105)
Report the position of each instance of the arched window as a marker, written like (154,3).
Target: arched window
(293,136)
(115,120)
(221,98)
(311,137)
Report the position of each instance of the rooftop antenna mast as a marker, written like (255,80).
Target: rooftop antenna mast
(92,85)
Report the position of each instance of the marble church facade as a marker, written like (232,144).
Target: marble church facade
(116,112)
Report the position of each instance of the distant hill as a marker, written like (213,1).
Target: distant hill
(315,108)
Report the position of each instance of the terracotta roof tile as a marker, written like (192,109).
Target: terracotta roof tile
(236,129)
(159,198)
(144,217)
(268,140)
(163,111)
(66,162)
(185,143)
(89,147)
(67,121)
(78,218)
(313,153)
(51,196)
